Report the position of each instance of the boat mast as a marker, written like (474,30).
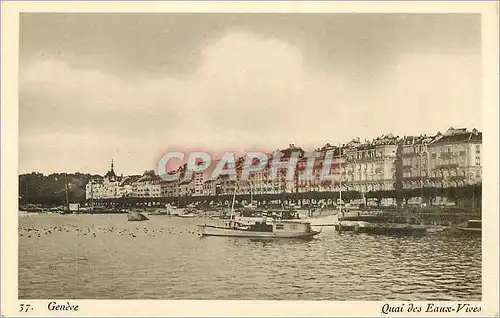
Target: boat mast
(26,192)
(234,197)
(66,188)
(91,195)
(340,183)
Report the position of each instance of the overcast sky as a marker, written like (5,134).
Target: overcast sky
(134,86)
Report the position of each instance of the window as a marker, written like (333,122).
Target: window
(279,226)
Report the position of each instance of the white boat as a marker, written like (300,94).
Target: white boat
(262,229)
(187,215)
(435,229)
(249,217)
(160,212)
(174,211)
(277,229)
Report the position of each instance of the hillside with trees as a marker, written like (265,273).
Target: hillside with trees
(37,188)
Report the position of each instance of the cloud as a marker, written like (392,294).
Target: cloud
(249,92)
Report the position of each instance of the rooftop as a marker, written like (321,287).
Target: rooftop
(453,135)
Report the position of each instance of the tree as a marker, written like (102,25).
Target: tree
(398,185)
(36,188)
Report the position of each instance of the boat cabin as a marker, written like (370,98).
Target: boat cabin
(274,214)
(291,227)
(277,227)
(474,224)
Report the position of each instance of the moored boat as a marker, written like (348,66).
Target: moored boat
(187,215)
(385,224)
(160,212)
(277,229)
(224,215)
(248,217)
(259,229)
(175,211)
(136,216)
(471,226)
(390,228)
(436,229)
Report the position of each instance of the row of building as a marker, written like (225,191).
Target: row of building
(451,159)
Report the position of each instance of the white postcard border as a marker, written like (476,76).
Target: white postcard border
(9,163)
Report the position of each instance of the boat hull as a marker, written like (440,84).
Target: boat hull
(136,216)
(383,229)
(470,227)
(469,230)
(186,216)
(206,230)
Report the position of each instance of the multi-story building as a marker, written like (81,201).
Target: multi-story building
(105,188)
(455,158)
(170,189)
(185,188)
(226,186)
(415,161)
(261,182)
(94,189)
(147,186)
(198,183)
(451,159)
(287,184)
(317,182)
(127,185)
(370,166)
(209,188)
(258,182)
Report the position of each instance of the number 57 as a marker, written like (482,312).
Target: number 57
(24,308)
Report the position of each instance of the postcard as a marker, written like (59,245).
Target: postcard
(249,159)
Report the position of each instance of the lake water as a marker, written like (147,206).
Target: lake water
(107,257)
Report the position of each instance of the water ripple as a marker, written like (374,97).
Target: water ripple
(106,257)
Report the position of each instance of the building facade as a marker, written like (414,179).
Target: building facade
(107,187)
(455,158)
(415,161)
(370,166)
(147,186)
(452,159)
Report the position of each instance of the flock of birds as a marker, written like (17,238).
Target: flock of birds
(93,231)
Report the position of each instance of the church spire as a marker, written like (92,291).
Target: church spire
(111,173)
